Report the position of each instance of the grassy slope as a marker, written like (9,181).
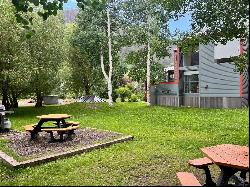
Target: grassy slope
(165,138)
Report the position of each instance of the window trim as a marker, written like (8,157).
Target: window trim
(188,83)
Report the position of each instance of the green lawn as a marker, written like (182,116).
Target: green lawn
(165,138)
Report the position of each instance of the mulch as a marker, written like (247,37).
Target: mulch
(21,144)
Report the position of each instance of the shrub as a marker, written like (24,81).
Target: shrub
(124,93)
(130,86)
(140,96)
(133,98)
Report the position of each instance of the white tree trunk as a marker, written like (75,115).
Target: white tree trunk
(109,76)
(102,65)
(110,62)
(148,74)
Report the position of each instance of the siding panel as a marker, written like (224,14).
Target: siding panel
(220,91)
(219,82)
(219,74)
(216,86)
(218,68)
(222,81)
(227,65)
(217,78)
(221,95)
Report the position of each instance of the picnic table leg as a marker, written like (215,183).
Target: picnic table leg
(64,123)
(209,181)
(37,129)
(59,123)
(240,180)
(34,135)
(225,175)
(61,136)
(70,134)
(243,175)
(52,139)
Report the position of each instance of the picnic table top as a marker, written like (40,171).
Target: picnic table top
(234,156)
(54,116)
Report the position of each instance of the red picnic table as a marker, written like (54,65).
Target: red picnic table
(230,159)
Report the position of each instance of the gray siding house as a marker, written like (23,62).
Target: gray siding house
(203,78)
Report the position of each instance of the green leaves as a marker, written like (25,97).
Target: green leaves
(124,92)
(216,21)
(30,33)
(49,8)
(29,58)
(240,62)
(20,19)
(45,15)
(39,13)
(30,9)
(14,55)
(35,2)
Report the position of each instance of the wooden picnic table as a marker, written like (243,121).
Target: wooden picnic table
(230,159)
(59,119)
(54,117)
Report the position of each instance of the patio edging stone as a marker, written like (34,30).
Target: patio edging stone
(10,161)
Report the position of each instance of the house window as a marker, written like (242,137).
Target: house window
(195,58)
(190,59)
(191,83)
(181,60)
(170,76)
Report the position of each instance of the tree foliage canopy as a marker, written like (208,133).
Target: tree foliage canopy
(28,66)
(46,49)
(14,56)
(217,21)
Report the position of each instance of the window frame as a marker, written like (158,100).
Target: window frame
(188,82)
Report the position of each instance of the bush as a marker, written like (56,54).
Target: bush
(133,98)
(130,86)
(124,93)
(140,96)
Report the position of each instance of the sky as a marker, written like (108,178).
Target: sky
(182,24)
(71,4)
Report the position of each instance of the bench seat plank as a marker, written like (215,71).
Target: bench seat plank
(200,162)
(69,130)
(188,179)
(29,127)
(72,127)
(61,129)
(72,123)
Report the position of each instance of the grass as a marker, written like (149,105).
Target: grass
(165,138)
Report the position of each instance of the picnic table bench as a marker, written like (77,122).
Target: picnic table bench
(230,159)
(61,131)
(62,127)
(188,179)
